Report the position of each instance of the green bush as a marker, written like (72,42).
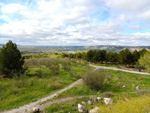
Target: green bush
(95,79)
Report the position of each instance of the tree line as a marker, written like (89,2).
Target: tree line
(124,57)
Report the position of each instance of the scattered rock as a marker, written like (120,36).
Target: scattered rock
(125,99)
(95,110)
(81,109)
(133,85)
(124,86)
(108,101)
(83,103)
(36,110)
(137,88)
(99,98)
(90,102)
(72,105)
(95,100)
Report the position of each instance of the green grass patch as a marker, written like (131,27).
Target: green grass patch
(12,96)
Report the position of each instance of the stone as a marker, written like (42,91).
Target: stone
(124,86)
(133,85)
(125,99)
(81,109)
(35,110)
(83,103)
(108,101)
(99,98)
(95,110)
(95,100)
(137,88)
(90,102)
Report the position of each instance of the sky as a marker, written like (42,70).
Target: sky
(75,22)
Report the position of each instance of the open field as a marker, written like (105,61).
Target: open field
(19,91)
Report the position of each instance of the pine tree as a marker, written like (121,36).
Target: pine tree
(11,60)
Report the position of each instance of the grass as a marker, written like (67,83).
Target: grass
(115,87)
(136,105)
(69,106)
(12,96)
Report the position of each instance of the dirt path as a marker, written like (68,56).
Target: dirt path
(114,68)
(28,107)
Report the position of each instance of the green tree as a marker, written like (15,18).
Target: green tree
(143,51)
(11,60)
(136,56)
(125,57)
(145,61)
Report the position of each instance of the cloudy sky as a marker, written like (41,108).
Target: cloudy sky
(75,22)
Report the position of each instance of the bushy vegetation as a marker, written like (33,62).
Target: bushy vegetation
(145,61)
(97,79)
(42,77)
(124,57)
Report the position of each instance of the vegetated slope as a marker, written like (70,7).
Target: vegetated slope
(114,90)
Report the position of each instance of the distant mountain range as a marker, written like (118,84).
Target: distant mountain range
(76,48)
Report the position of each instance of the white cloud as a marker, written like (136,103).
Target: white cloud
(70,22)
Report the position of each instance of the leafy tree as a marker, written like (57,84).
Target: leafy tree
(143,51)
(112,57)
(90,55)
(11,60)
(145,61)
(125,57)
(136,56)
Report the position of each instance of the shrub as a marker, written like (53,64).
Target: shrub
(20,80)
(95,79)
(39,73)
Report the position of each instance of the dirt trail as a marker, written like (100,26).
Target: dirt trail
(28,107)
(114,68)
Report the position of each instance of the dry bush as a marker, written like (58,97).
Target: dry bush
(95,79)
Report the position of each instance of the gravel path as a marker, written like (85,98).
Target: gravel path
(28,107)
(114,68)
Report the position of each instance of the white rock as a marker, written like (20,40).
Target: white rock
(137,88)
(83,103)
(81,109)
(95,110)
(90,102)
(99,98)
(35,109)
(124,86)
(108,101)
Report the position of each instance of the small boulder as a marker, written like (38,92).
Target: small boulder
(95,100)
(95,110)
(137,88)
(81,109)
(124,86)
(108,101)
(125,99)
(133,85)
(99,98)
(90,102)
(36,110)
(83,103)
